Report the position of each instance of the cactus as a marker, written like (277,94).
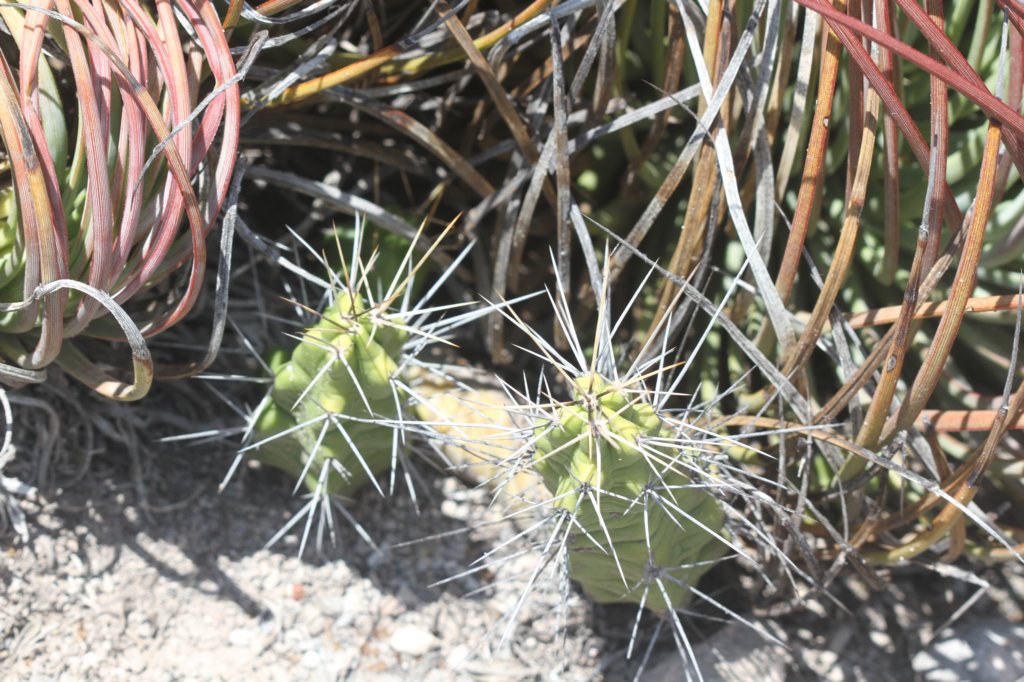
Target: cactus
(343,402)
(326,418)
(641,531)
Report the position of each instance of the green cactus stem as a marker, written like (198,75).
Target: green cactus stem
(328,418)
(641,530)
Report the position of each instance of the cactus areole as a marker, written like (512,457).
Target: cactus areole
(102,200)
(640,530)
(328,417)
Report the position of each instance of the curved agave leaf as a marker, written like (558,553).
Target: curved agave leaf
(106,210)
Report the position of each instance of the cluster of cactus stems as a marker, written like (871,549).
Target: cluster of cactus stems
(625,486)
(886,181)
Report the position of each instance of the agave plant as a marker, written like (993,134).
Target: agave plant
(94,195)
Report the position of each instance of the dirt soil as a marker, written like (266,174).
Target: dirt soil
(142,570)
(105,590)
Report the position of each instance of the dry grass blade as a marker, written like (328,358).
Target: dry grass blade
(982,421)
(963,287)
(891,138)
(695,220)
(871,429)
(705,123)
(811,180)
(409,126)
(890,314)
(502,102)
(843,255)
(366,65)
(510,248)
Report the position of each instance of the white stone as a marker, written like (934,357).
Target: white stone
(310,660)
(457,656)
(412,640)
(241,637)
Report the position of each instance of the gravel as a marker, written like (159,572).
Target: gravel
(988,649)
(142,570)
(105,590)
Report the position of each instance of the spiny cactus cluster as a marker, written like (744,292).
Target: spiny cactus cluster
(641,530)
(638,527)
(327,419)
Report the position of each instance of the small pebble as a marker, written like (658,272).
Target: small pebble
(332,605)
(241,637)
(310,660)
(412,641)
(457,656)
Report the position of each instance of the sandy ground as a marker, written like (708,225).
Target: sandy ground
(106,590)
(141,570)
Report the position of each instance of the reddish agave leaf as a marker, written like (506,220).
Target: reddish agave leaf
(37,221)
(941,43)
(94,129)
(985,100)
(896,109)
(177,196)
(226,108)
